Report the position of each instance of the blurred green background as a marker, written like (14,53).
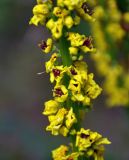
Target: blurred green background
(22,93)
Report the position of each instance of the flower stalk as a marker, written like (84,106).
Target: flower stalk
(63,48)
(74,87)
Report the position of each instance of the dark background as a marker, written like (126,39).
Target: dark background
(23,92)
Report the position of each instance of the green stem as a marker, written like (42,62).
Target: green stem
(64,51)
(63,46)
(77,112)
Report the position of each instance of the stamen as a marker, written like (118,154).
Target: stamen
(58,92)
(56,72)
(88,42)
(84,135)
(87,9)
(73,72)
(75,85)
(95,151)
(43,45)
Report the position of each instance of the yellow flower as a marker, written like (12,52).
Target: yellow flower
(57,73)
(60,152)
(87,138)
(41,9)
(126,17)
(92,89)
(76,39)
(56,121)
(86,101)
(55,27)
(116,88)
(102,63)
(50,64)
(113,29)
(70,119)
(97,149)
(72,156)
(59,12)
(99,12)
(97,153)
(64,131)
(60,93)
(54,125)
(41,12)
(113,12)
(36,19)
(77,97)
(74,86)
(63,19)
(85,11)
(61,122)
(99,37)
(118,97)
(73,51)
(50,23)
(72,132)
(81,66)
(82,86)
(70,4)
(80,42)
(46,46)
(87,45)
(60,3)
(51,107)
(68,21)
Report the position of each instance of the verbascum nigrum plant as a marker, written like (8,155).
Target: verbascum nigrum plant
(111,36)
(74,87)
